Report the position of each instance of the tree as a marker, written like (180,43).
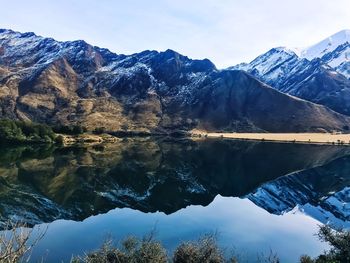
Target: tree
(99,130)
(19,131)
(339,241)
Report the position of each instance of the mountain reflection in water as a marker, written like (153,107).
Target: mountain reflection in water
(44,184)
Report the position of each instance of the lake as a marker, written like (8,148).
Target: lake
(256,196)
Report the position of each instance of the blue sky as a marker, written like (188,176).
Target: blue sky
(225,31)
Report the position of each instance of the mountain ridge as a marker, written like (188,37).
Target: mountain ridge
(326,45)
(73,82)
(322,80)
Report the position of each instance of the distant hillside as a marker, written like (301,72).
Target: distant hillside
(74,83)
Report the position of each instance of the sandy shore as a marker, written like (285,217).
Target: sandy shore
(320,138)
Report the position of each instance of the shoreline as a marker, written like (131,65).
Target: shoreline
(304,138)
(300,138)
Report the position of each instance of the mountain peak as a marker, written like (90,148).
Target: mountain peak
(289,51)
(344,33)
(75,83)
(4,30)
(327,45)
(4,33)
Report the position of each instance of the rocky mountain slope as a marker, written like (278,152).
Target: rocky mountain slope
(55,82)
(318,80)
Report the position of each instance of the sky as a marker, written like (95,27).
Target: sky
(227,32)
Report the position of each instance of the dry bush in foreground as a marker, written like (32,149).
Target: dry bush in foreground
(147,250)
(132,250)
(205,250)
(16,242)
(271,257)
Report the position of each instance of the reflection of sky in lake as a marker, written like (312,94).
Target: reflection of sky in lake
(239,222)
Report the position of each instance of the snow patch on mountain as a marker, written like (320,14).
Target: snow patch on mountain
(281,62)
(327,45)
(290,193)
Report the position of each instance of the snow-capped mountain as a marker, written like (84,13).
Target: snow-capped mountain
(334,51)
(73,82)
(326,46)
(323,80)
(275,67)
(312,80)
(339,59)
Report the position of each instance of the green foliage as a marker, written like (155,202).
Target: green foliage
(70,130)
(124,127)
(132,250)
(19,131)
(205,250)
(60,139)
(306,259)
(147,250)
(99,130)
(10,154)
(339,242)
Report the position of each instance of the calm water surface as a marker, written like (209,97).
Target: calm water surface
(257,196)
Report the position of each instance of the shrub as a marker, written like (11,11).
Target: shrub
(124,127)
(18,131)
(271,257)
(205,250)
(60,139)
(15,244)
(339,241)
(306,259)
(147,250)
(99,130)
(70,130)
(132,250)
